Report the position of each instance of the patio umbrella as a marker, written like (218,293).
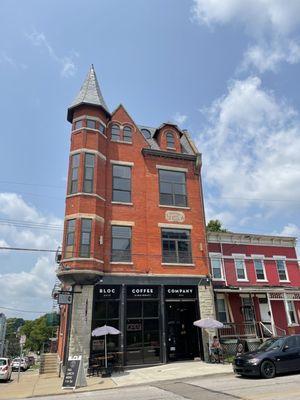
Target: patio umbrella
(103,331)
(208,323)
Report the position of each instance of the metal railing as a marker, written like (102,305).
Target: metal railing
(242,330)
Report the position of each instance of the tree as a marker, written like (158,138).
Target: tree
(214,225)
(37,333)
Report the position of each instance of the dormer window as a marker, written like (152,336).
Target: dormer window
(146,133)
(170,140)
(127,134)
(90,123)
(115,132)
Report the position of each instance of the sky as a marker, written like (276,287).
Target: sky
(228,71)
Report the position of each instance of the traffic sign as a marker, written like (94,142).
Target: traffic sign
(65,298)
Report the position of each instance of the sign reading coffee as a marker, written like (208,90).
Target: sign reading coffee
(185,292)
(143,292)
(107,292)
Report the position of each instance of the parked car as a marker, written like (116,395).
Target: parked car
(22,362)
(274,356)
(5,369)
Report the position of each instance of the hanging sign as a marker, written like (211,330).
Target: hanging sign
(182,292)
(143,292)
(65,298)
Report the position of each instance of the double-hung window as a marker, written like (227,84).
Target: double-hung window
(70,238)
(170,140)
(115,132)
(291,312)
(222,309)
(85,237)
(91,123)
(121,243)
(73,187)
(78,124)
(240,269)
(216,266)
(259,269)
(127,134)
(172,188)
(121,183)
(89,163)
(281,269)
(176,246)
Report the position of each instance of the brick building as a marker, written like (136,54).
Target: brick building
(134,249)
(256,281)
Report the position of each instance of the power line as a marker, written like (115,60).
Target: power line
(27,249)
(28,224)
(32,184)
(19,310)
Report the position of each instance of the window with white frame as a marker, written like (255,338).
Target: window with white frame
(222,309)
(216,267)
(259,269)
(291,312)
(281,269)
(240,269)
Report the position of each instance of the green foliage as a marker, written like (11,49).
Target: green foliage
(12,326)
(37,333)
(214,225)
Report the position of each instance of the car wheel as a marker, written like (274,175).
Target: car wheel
(267,369)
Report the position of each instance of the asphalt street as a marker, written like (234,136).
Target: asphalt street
(224,387)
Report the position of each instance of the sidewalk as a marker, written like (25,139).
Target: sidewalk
(31,384)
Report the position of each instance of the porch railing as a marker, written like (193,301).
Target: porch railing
(243,330)
(250,330)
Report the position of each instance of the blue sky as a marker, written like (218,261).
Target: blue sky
(227,71)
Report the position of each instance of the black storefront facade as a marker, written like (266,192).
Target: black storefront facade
(154,315)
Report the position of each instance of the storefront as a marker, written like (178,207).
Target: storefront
(155,320)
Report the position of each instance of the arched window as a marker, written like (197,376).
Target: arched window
(146,133)
(115,132)
(170,140)
(127,134)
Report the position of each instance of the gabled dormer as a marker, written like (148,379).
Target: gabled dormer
(168,137)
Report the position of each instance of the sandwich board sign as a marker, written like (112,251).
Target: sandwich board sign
(74,375)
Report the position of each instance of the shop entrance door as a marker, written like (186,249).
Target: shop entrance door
(182,335)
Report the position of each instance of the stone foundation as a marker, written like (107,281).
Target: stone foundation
(207,309)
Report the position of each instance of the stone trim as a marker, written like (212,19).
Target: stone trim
(122,223)
(85,194)
(170,168)
(176,226)
(86,150)
(129,163)
(84,215)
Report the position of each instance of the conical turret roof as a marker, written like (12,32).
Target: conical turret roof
(89,93)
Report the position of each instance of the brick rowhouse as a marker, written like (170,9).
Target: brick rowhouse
(256,281)
(134,248)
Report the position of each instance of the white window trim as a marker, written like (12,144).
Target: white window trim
(240,257)
(176,226)
(170,168)
(256,257)
(126,163)
(180,207)
(282,258)
(219,257)
(122,223)
(222,297)
(290,323)
(179,264)
(121,203)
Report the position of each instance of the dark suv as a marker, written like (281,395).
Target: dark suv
(274,356)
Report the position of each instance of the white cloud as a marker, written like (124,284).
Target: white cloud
(290,230)
(29,290)
(22,225)
(251,148)
(269,57)
(179,119)
(67,63)
(270,22)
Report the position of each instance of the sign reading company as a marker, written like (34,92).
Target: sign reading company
(186,292)
(175,216)
(107,292)
(139,291)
